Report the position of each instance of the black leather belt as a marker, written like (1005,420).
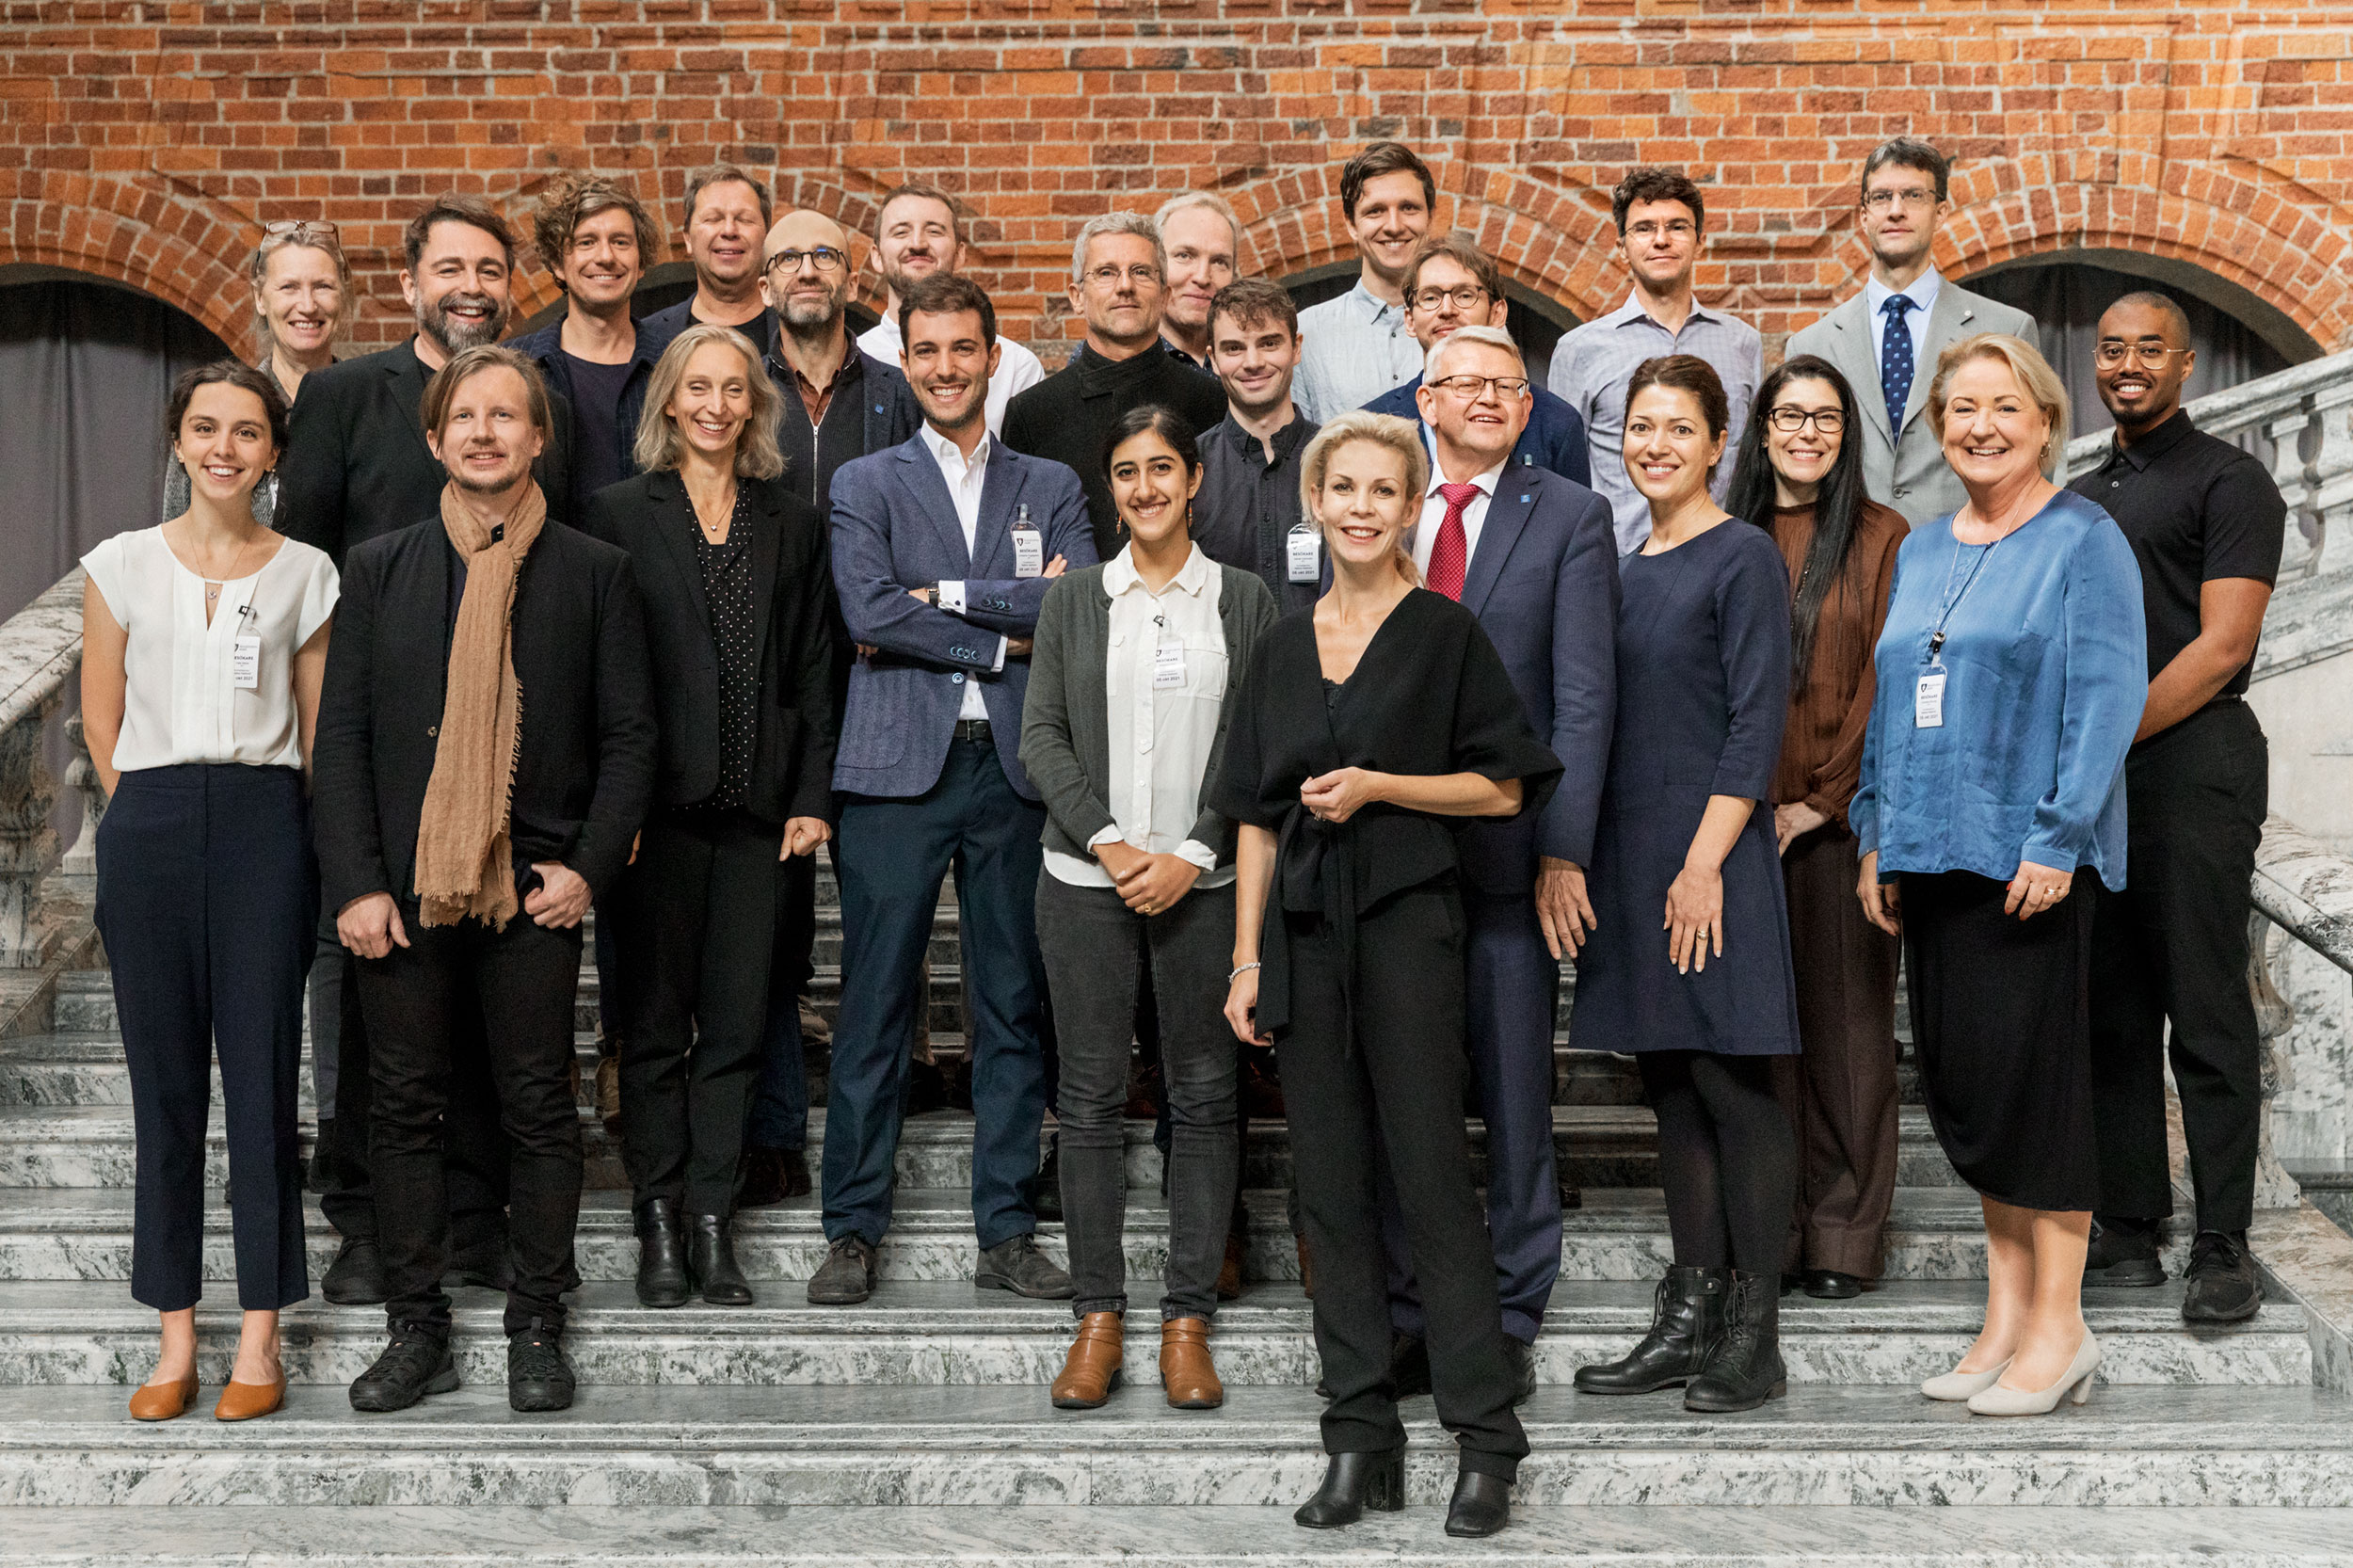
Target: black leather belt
(972,729)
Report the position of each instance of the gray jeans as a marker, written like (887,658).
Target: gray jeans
(1095,948)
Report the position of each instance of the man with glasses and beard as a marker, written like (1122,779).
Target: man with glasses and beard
(358,466)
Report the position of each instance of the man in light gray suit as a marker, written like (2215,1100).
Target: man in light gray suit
(1905,186)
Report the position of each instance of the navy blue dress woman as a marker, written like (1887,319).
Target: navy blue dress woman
(1689,968)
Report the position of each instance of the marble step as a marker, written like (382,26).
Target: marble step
(1853,1447)
(1617,1233)
(953,1334)
(1596,1146)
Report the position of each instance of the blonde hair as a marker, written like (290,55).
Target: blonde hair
(2035,376)
(1400,436)
(1211,201)
(756,454)
(322,240)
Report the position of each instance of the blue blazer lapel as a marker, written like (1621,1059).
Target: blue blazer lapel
(1516,493)
(1001,492)
(921,473)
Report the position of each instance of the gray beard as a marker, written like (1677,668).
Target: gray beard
(433,321)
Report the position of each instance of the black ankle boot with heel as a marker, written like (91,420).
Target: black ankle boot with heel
(1687,1321)
(661,1256)
(1354,1483)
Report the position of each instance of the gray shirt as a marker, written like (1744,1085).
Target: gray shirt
(1593,365)
(1351,350)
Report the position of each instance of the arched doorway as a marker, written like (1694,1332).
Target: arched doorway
(85,371)
(1536,322)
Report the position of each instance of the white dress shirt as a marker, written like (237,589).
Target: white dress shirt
(1433,515)
(1922,296)
(1018,369)
(1161,735)
(964,477)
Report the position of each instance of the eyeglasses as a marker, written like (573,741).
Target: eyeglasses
(305,231)
(824,257)
(1879,200)
(1476,385)
(1789,419)
(1679,227)
(1108,276)
(2147,354)
(1466,297)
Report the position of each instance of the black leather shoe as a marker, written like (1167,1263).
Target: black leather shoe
(1522,1357)
(710,1261)
(772,1175)
(1745,1368)
(1017,1266)
(2125,1252)
(1353,1482)
(415,1364)
(1686,1320)
(356,1278)
(1829,1285)
(660,1256)
(538,1379)
(847,1277)
(1409,1366)
(1481,1505)
(2224,1287)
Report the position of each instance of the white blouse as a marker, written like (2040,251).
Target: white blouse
(183,700)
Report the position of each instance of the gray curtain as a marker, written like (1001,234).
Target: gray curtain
(86,370)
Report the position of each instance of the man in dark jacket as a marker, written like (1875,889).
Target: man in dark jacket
(485,754)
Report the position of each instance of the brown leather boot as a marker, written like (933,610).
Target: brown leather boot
(1186,1371)
(1090,1370)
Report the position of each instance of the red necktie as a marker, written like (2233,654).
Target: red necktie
(1451,554)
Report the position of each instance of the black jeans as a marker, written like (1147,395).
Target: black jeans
(693,924)
(422,1002)
(2173,945)
(1096,948)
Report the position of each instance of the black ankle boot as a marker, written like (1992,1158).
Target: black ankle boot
(710,1261)
(660,1256)
(1746,1370)
(1354,1483)
(1481,1505)
(1687,1321)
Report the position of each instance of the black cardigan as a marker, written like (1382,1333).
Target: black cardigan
(800,653)
(585,753)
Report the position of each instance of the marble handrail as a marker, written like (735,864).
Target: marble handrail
(2306,889)
(41,648)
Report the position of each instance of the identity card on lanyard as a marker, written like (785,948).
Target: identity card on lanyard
(1304,546)
(1029,545)
(1928,695)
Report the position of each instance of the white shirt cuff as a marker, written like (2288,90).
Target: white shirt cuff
(1110,835)
(1194,851)
(1004,645)
(951,595)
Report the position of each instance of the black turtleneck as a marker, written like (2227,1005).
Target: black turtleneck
(1066,416)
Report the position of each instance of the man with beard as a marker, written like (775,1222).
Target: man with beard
(1198,232)
(918,232)
(485,751)
(727,209)
(358,466)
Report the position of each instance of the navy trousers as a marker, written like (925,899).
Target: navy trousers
(208,904)
(891,856)
(1514,985)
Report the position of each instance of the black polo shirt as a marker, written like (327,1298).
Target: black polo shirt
(1247,506)
(2197,509)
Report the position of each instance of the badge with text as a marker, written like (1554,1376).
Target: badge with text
(245,663)
(1168,666)
(1307,554)
(1029,547)
(1928,700)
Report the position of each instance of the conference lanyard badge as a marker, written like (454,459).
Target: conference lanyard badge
(1029,545)
(1304,547)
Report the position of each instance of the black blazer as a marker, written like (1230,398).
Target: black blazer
(800,649)
(584,765)
(356,465)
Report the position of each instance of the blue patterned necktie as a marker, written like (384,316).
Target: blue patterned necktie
(1895,361)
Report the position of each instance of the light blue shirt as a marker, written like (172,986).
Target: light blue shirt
(1922,296)
(2046,669)
(1351,350)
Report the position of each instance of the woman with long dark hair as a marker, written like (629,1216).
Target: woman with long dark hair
(1801,475)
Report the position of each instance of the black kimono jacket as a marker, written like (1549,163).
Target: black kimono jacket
(1429,696)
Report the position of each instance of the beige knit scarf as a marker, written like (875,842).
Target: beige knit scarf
(464,863)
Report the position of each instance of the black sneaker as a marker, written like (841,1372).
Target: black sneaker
(847,1277)
(1017,1266)
(2123,1252)
(356,1278)
(415,1364)
(538,1376)
(2223,1285)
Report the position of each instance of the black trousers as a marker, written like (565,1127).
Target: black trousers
(207,898)
(694,923)
(509,994)
(2172,946)
(1393,1084)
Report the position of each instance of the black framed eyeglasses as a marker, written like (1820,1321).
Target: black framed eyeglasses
(1789,420)
(826,258)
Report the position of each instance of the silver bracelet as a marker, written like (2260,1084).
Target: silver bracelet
(1241,970)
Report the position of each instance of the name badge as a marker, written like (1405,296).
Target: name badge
(1168,666)
(1029,552)
(1305,548)
(1928,701)
(245,663)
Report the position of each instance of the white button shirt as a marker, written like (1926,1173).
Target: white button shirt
(964,477)
(1434,514)
(1160,736)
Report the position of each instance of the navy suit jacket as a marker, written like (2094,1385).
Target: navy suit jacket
(1555,437)
(1543,583)
(894,528)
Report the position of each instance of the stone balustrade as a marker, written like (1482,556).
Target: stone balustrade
(40,650)
(2300,962)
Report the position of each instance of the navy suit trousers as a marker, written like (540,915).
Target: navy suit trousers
(891,855)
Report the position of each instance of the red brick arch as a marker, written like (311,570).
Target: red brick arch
(134,231)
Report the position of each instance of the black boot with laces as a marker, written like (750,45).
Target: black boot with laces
(538,1378)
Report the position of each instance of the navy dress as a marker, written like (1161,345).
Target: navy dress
(1703,694)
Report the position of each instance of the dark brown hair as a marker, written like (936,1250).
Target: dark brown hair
(1161,421)
(1457,248)
(1655,183)
(227,373)
(441,390)
(456,207)
(1685,373)
(1251,299)
(573,201)
(947,294)
(1908,153)
(1383,157)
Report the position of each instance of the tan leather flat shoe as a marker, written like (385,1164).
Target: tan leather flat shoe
(161,1401)
(1186,1371)
(1090,1370)
(243,1402)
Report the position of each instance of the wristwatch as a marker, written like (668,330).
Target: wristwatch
(931,594)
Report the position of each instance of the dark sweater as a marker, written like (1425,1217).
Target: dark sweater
(1066,416)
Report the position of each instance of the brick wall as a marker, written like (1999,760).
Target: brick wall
(146,142)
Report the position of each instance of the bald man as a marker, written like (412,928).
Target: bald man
(838,403)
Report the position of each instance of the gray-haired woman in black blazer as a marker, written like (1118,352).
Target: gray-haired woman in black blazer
(1132,683)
